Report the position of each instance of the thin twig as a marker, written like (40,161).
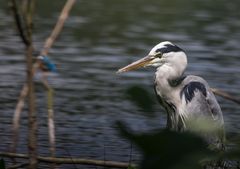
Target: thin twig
(57,29)
(69,154)
(49,42)
(18,166)
(131,152)
(61,160)
(19,23)
(17,115)
(225,95)
(51,126)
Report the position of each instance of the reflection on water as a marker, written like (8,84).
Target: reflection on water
(100,37)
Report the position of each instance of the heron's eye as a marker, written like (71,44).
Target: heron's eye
(158,55)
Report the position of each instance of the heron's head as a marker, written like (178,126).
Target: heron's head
(164,53)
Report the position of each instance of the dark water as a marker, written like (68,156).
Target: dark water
(100,37)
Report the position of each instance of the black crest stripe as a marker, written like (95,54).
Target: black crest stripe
(169,48)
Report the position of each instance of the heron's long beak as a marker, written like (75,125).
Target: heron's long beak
(137,64)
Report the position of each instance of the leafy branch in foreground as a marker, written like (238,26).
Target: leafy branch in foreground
(2,164)
(179,150)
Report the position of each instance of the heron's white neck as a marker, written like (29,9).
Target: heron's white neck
(173,68)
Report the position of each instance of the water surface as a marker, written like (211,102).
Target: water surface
(99,37)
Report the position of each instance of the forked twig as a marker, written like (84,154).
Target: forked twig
(49,42)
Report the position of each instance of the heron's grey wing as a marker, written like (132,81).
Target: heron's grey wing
(201,102)
(217,116)
(216,111)
(199,98)
(193,96)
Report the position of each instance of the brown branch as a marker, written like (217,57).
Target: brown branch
(58,27)
(32,117)
(18,166)
(28,89)
(18,22)
(47,45)
(17,115)
(225,95)
(61,160)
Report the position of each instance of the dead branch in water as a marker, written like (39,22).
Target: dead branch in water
(18,166)
(32,118)
(225,95)
(49,42)
(28,89)
(57,29)
(16,117)
(61,160)
(18,21)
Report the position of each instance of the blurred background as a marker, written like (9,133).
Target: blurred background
(98,38)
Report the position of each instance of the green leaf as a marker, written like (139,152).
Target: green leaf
(131,167)
(169,149)
(141,98)
(2,164)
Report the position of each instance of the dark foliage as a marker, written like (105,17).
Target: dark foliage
(141,98)
(166,149)
(2,164)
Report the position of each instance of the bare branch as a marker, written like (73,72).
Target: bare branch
(17,115)
(49,42)
(18,22)
(225,95)
(58,27)
(61,160)
(18,166)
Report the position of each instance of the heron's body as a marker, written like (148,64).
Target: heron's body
(190,98)
(184,97)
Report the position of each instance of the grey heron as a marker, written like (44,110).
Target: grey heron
(184,97)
